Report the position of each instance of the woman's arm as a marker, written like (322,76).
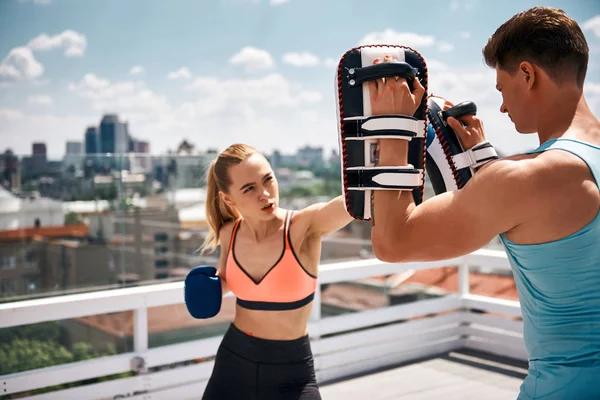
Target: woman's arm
(224,240)
(327,217)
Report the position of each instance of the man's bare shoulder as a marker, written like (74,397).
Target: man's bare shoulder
(531,176)
(510,170)
(514,183)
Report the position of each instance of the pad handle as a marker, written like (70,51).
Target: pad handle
(358,76)
(460,110)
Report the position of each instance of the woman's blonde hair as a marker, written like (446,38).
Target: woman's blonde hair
(218,213)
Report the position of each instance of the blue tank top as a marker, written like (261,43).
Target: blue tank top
(559,290)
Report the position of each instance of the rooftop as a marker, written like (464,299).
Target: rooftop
(456,375)
(50,232)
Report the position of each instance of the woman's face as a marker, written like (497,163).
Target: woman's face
(254,190)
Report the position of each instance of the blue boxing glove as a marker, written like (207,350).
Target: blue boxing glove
(203,292)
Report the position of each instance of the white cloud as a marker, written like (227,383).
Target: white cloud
(20,64)
(410,39)
(41,100)
(252,59)
(73,43)
(137,70)
(181,73)
(304,59)
(592,88)
(119,96)
(390,36)
(10,114)
(272,90)
(456,5)
(592,24)
(40,2)
(331,63)
(445,47)
(592,94)
(255,110)
(465,34)
(278,2)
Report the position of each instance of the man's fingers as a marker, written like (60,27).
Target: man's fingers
(381,81)
(457,126)
(448,104)
(418,90)
(468,120)
(374,85)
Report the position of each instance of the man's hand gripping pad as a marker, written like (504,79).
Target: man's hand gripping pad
(449,167)
(359,130)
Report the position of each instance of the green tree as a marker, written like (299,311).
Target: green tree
(40,345)
(44,331)
(25,354)
(72,218)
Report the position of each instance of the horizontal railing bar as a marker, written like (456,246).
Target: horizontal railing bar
(491,305)
(349,271)
(347,322)
(66,373)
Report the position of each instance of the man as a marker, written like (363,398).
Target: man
(543,204)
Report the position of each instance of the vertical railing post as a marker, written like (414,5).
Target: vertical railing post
(140,330)
(463,290)
(463,278)
(315,315)
(140,340)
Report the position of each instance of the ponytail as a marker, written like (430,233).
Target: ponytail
(218,213)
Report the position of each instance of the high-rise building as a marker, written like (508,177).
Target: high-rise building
(74,148)
(39,159)
(74,156)
(92,145)
(141,146)
(39,149)
(10,174)
(113,135)
(310,156)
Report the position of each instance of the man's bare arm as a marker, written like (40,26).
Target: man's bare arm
(456,223)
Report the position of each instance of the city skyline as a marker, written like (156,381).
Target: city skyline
(79,146)
(234,70)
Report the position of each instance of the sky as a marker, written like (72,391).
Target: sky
(217,72)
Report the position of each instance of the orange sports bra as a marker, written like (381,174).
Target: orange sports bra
(287,285)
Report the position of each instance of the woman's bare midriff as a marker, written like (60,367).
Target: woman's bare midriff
(273,325)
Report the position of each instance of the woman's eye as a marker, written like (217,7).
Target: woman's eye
(248,189)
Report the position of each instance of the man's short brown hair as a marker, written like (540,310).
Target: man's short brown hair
(544,36)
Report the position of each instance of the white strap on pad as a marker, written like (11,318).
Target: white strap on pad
(384,178)
(475,157)
(406,127)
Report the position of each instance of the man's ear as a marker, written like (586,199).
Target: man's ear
(528,72)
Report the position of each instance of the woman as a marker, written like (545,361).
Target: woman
(269,260)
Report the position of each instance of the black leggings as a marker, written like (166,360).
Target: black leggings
(250,368)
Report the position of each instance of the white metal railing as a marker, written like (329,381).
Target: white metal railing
(342,345)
